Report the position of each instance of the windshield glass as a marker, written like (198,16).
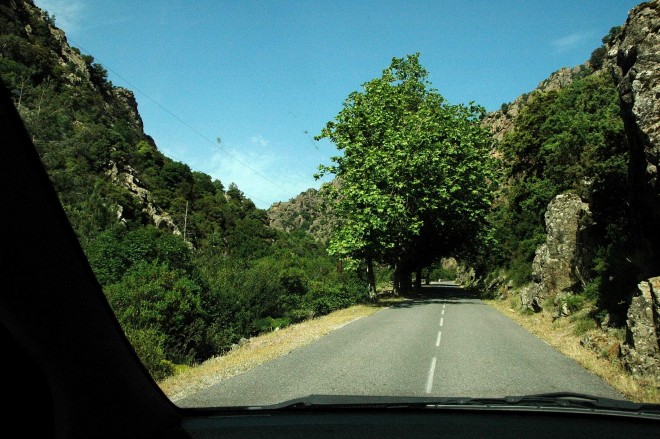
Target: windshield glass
(392,200)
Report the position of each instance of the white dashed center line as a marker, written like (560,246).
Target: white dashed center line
(429,381)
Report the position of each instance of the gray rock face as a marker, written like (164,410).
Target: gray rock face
(305,212)
(641,351)
(560,264)
(502,121)
(634,59)
(127,177)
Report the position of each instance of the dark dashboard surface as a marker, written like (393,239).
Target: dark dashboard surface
(436,424)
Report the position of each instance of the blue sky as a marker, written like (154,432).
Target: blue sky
(265,76)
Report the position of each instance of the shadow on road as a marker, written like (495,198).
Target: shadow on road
(444,292)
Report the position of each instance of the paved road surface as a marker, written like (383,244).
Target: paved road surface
(444,343)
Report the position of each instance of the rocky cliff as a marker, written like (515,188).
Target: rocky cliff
(634,60)
(641,351)
(82,125)
(502,121)
(304,212)
(561,265)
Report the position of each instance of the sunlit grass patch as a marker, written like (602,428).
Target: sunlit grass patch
(259,349)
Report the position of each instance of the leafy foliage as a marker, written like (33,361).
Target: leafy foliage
(570,139)
(179,298)
(415,172)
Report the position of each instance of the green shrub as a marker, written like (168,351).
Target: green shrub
(324,298)
(575,302)
(520,273)
(582,325)
(150,295)
(148,345)
(299,314)
(597,58)
(443,273)
(270,324)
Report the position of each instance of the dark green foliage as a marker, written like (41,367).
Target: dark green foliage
(178,298)
(114,252)
(416,176)
(98,75)
(597,57)
(437,271)
(567,140)
(152,295)
(611,35)
(583,325)
(148,344)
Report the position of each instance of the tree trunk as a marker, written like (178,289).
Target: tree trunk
(404,280)
(396,282)
(371,279)
(418,280)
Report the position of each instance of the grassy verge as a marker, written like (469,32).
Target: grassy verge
(260,349)
(561,334)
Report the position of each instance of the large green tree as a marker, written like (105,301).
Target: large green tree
(415,174)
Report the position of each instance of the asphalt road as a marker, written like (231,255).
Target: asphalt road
(443,343)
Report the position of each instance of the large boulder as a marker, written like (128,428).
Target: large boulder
(641,350)
(561,263)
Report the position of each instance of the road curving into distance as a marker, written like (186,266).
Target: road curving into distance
(444,342)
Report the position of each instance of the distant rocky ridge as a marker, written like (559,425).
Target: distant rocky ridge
(501,121)
(304,212)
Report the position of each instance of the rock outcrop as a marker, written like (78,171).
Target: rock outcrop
(634,60)
(561,263)
(127,178)
(304,212)
(641,350)
(502,121)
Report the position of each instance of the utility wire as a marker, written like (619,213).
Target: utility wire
(184,123)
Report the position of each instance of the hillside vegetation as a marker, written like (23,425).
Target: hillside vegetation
(188,264)
(549,202)
(566,140)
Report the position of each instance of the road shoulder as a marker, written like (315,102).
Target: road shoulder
(260,349)
(559,335)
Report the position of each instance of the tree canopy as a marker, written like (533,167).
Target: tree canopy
(415,175)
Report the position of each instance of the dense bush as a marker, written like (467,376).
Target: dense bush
(570,139)
(179,299)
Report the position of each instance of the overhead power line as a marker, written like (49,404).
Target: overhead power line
(184,123)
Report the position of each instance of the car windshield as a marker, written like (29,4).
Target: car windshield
(300,203)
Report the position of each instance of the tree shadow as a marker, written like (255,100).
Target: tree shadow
(443,292)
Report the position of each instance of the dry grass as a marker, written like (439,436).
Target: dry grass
(260,349)
(560,335)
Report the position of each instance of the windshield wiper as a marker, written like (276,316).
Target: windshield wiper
(558,399)
(543,401)
(562,401)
